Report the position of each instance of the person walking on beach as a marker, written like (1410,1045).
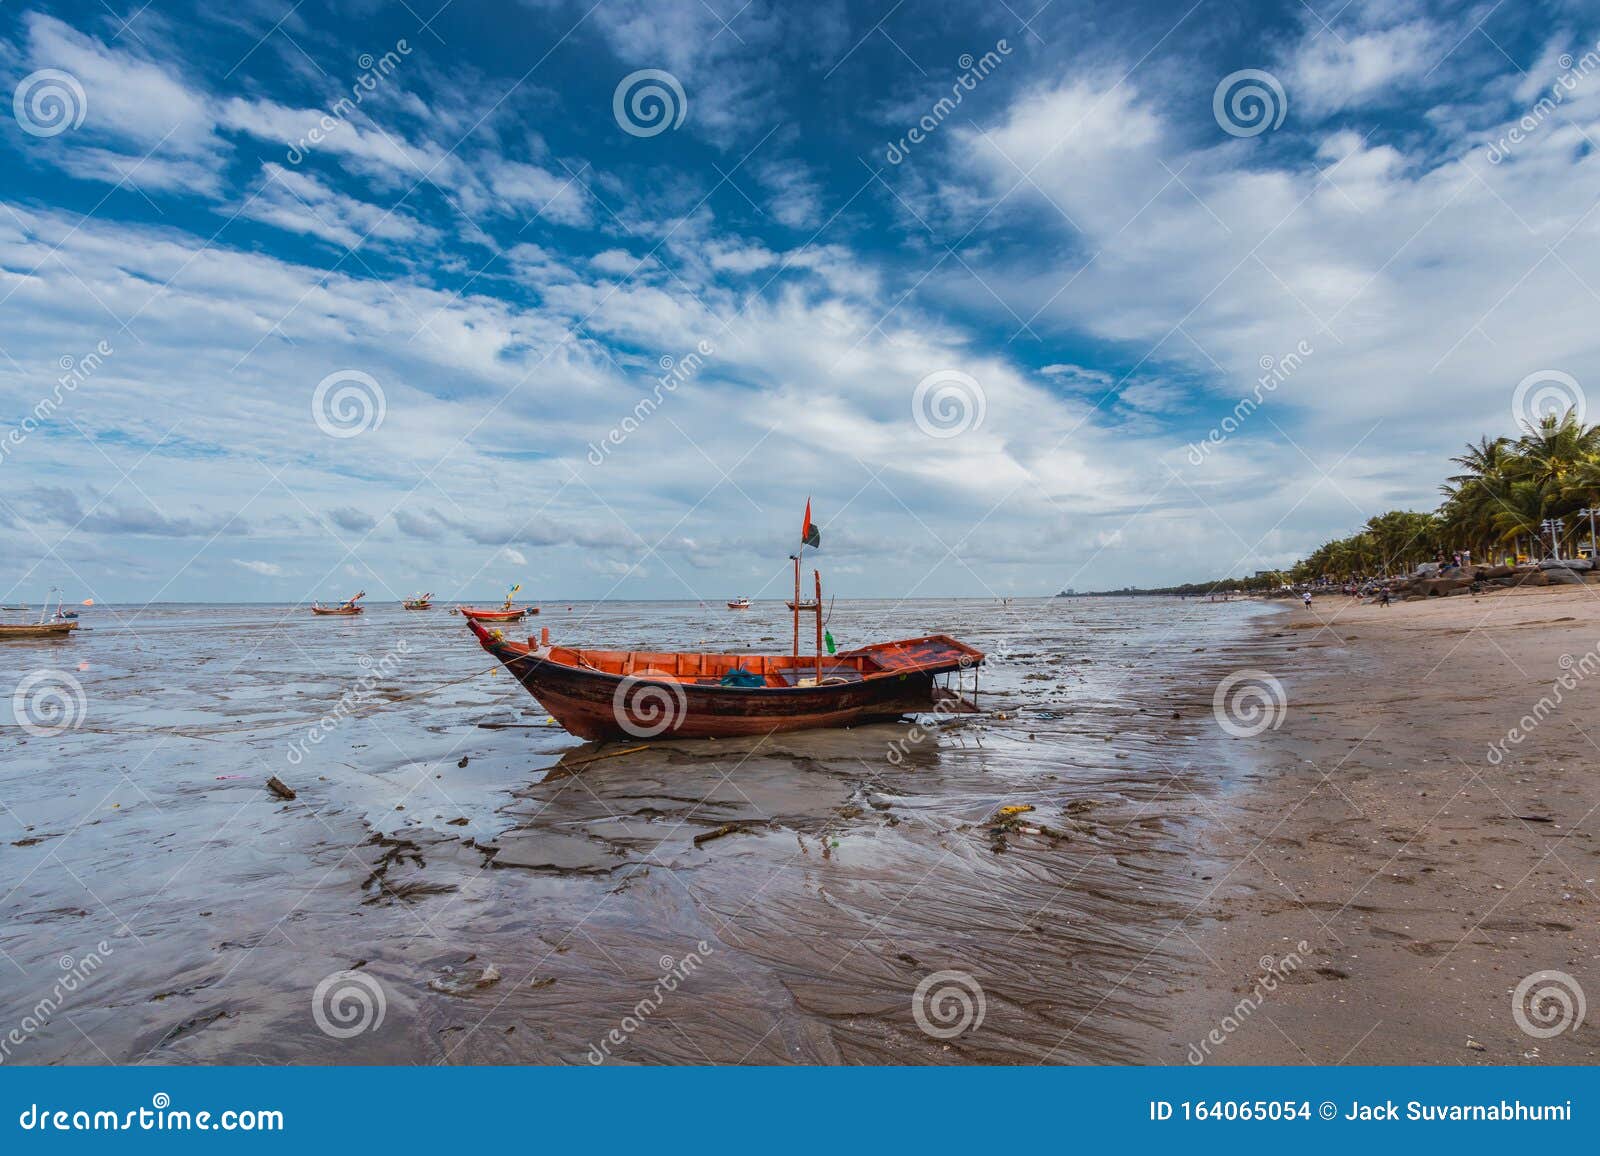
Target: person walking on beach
(1383,597)
(1307,597)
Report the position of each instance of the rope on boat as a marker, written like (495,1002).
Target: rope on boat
(206,732)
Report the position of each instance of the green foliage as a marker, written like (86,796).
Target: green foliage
(1506,488)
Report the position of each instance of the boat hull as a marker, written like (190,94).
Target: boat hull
(38,630)
(496,615)
(349,613)
(595,704)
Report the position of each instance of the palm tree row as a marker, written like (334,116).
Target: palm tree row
(1507,489)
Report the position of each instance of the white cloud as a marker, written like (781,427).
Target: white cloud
(266,569)
(1329,72)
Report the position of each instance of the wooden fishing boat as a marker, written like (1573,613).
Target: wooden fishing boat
(602,694)
(421,602)
(38,629)
(805,607)
(501,614)
(738,604)
(347,607)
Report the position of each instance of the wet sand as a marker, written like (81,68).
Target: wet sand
(502,893)
(1426,880)
(506,895)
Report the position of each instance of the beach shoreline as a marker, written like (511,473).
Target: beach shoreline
(1401,858)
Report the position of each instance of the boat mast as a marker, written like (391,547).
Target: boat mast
(817,574)
(794,651)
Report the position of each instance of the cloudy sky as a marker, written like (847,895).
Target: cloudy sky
(299,298)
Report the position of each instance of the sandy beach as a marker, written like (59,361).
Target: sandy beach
(1425,879)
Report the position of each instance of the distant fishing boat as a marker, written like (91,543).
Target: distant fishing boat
(503,614)
(506,612)
(420,602)
(804,607)
(58,625)
(347,607)
(739,604)
(13,607)
(604,694)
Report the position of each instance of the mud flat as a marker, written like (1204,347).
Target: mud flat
(457,881)
(1427,855)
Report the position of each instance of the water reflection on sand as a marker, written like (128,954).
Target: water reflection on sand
(441,836)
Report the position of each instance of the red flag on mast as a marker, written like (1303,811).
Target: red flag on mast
(809,534)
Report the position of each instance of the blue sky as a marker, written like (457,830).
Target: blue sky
(296,299)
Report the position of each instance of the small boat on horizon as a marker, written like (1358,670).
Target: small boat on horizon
(347,607)
(57,625)
(506,612)
(740,603)
(500,614)
(420,602)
